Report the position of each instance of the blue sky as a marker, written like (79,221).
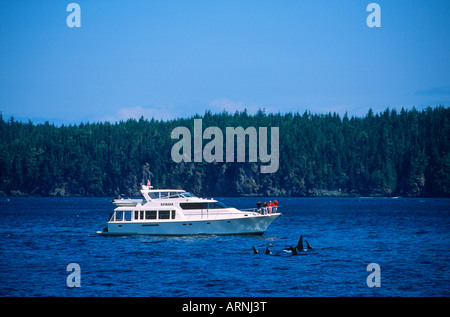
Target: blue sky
(168,59)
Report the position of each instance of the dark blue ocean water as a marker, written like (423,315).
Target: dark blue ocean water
(408,238)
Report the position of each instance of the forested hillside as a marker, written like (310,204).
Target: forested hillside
(393,153)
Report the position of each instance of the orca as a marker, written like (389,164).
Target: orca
(299,247)
(294,250)
(300,244)
(268,252)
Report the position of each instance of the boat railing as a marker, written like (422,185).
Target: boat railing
(262,210)
(224,215)
(248,209)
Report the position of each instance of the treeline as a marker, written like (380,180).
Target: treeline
(392,153)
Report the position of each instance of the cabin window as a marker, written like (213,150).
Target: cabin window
(164,195)
(173,214)
(164,214)
(127,215)
(217,205)
(150,214)
(138,214)
(153,195)
(194,205)
(119,215)
(174,195)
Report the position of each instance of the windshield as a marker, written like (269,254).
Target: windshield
(221,205)
(187,194)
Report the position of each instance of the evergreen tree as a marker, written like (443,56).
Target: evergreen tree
(389,153)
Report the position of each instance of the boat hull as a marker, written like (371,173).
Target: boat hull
(231,226)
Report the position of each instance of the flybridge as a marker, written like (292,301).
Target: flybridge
(213,150)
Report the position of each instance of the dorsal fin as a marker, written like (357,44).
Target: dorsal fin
(300,243)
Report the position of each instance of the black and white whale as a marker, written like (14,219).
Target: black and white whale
(300,244)
(255,251)
(267,252)
(298,249)
(293,250)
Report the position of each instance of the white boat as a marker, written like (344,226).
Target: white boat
(178,212)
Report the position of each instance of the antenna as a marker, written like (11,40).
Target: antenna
(146,175)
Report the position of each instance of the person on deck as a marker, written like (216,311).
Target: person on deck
(275,206)
(270,207)
(258,206)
